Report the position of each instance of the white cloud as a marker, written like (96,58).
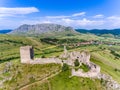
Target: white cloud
(67,16)
(83,22)
(114,21)
(57,17)
(113,17)
(98,16)
(5,12)
(79,14)
(77,20)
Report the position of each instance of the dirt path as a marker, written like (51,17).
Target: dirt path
(40,81)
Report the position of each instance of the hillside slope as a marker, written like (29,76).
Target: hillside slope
(14,75)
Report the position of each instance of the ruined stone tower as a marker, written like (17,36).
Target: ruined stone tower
(26,54)
(65,50)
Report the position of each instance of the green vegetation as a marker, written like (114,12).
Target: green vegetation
(39,86)
(107,57)
(23,74)
(65,67)
(107,64)
(76,63)
(84,67)
(63,81)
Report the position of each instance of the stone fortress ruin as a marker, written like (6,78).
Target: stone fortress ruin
(27,56)
(83,57)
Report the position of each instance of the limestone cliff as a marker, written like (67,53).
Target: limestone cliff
(40,28)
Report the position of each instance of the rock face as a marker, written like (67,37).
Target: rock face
(40,28)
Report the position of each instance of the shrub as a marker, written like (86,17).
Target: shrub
(32,79)
(65,67)
(84,67)
(76,63)
(43,56)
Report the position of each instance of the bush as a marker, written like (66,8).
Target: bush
(43,56)
(84,67)
(65,67)
(32,79)
(76,63)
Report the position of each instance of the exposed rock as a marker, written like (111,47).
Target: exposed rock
(40,28)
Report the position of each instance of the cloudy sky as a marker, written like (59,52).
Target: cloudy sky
(88,14)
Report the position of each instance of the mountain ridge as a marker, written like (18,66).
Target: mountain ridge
(100,31)
(5,31)
(40,28)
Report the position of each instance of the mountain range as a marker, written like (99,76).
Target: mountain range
(100,31)
(55,29)
(5,31)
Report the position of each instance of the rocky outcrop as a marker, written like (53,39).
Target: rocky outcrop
(40,28)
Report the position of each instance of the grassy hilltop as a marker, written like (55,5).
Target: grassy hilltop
(16,75)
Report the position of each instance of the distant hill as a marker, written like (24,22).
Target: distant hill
(100,31)
(5,31)
(41,29)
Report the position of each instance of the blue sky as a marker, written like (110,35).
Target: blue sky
(88,14)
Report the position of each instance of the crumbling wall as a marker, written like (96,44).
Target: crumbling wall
(93,72)
(83,57)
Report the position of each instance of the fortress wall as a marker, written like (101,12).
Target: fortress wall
(94,67)
(46,61)
(84,74)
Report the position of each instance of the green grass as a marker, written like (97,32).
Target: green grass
(64,82)
(1,78)
(38,86)
(23,74)
(84,67)
(107,68)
